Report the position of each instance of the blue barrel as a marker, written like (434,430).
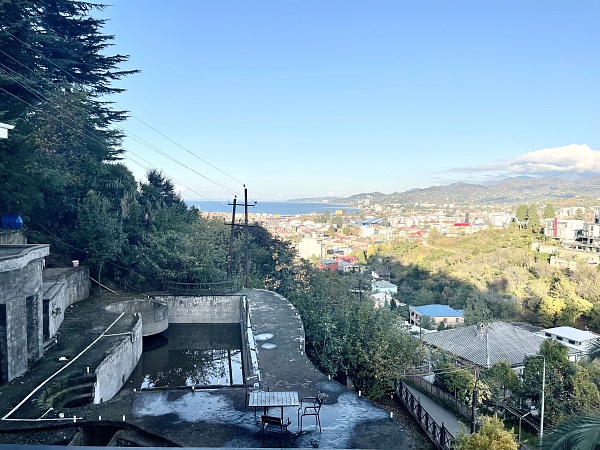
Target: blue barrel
(12,221)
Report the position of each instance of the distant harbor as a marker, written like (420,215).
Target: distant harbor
(272,208)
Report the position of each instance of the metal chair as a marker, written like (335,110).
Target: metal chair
(311,406)
(259,386)
(273,424)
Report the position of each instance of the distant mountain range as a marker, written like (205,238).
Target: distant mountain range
(514,190)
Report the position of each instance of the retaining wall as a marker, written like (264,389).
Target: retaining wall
(118,365)
(62,288)
(209,309)
(155,313)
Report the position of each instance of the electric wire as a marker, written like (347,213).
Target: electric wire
(89,135)
(126,131)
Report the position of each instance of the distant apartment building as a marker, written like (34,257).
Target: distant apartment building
(312,247)
(563,229)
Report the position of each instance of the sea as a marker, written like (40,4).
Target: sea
(271,208)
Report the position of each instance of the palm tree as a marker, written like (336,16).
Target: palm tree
(594,351)
(579,433)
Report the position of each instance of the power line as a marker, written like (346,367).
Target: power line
(154,129)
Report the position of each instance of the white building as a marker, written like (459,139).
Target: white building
(563,229)
(309,247)
(4,127)
(578,341)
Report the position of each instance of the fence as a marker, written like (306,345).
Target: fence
(197,289)
(461,408)
(438,434)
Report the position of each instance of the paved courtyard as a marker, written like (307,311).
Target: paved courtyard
(209,418)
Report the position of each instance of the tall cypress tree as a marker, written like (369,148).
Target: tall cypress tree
(53,72)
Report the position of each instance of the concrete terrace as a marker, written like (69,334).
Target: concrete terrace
(205,418)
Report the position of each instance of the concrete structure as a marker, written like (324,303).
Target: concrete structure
(328,264)
(12,237)
(578,341)
(154,313)
(439,313)
(21,308)
(62,288)
(208,309)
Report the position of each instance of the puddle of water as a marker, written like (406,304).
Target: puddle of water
(263,337)
(191,355)
(268,346)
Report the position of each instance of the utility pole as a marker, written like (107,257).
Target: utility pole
(246,238)
(474,406)
(230,256)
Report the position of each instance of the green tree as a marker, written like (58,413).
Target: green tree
(100,232)
(579,214)
(427,322)
(569,389)
(549,211)
(521,213)
(501,378)
(490,436)
(533,217)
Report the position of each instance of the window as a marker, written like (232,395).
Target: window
(558,338)
(445,320)
(548,335)
(571,341)
(457,319)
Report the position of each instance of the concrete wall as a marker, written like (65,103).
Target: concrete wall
(21,310)
(209,309)
(155,313)
(116,368)
(62,288)
(12,237)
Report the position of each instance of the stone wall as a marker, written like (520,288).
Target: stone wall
(155,314)
(208,309)
(21,310)
(118,365)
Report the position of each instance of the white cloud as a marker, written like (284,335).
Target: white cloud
(573,158)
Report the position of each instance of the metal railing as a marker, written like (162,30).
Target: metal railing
(219,288)
(461,408)
(437,433)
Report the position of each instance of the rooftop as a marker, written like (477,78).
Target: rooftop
(571,333)
(487,344)
(437,310)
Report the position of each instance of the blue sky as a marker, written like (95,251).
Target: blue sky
(313,98)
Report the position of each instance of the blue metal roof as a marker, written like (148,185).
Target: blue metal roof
(437,311)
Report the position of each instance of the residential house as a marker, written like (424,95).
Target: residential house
(578,341)
(328,264)
(563,229)
(380,274)
(384,286)
(381,298)
(346,267)
(487,344)
(439,313)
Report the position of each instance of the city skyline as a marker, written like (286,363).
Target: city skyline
(307,99)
